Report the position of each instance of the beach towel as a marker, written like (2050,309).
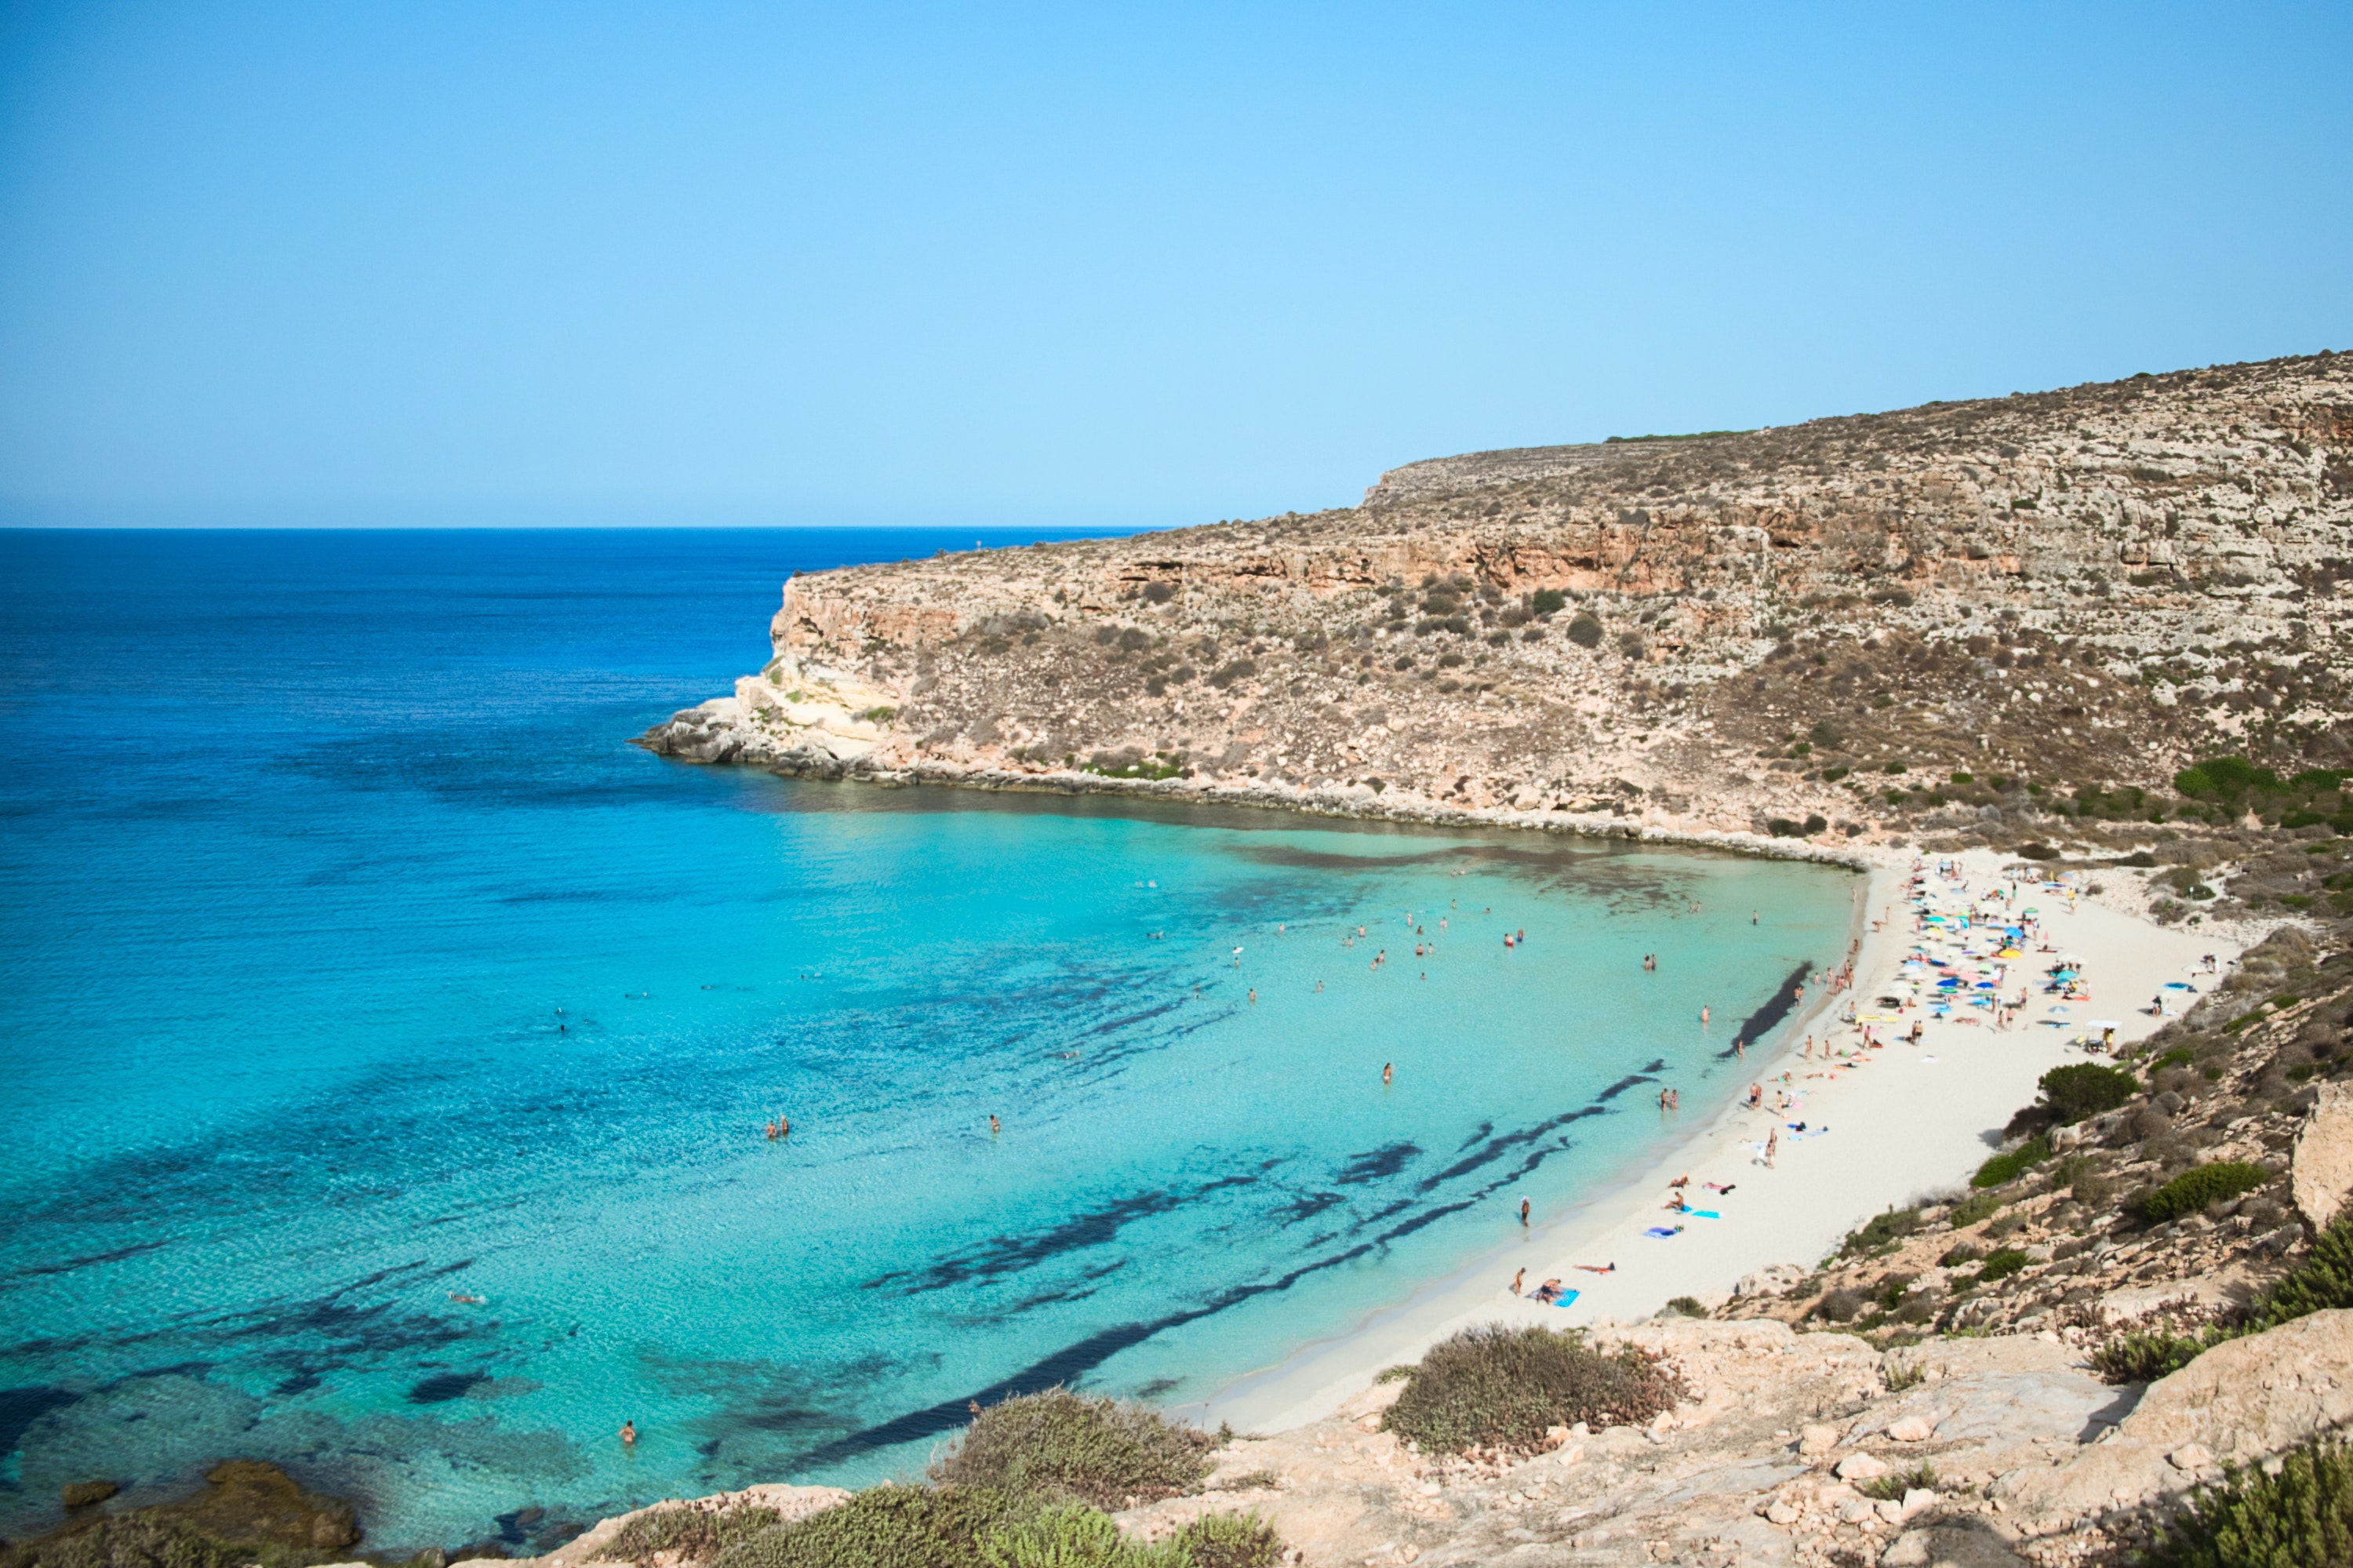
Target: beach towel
(1663,1231)
(1702,1215)
(1568,1298)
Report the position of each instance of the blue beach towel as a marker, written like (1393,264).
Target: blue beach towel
(1663,1231)
(1567,1297)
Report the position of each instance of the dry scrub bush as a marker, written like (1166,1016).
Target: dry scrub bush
(1059,1445)
(1505,1387)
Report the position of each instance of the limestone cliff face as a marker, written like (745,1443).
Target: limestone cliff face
(2081,585)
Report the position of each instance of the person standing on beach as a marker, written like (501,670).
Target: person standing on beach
(1516,1278)
(1772,1148)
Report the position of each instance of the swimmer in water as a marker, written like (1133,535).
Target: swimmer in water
(628,1433)
(1388,1071)
(1702,1016)
(1253,994)
(995,1126)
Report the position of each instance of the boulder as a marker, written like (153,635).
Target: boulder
(2322,1170)
(81,1494)
(1862,1467)
(2247,1398)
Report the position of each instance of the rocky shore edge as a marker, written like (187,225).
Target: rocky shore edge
(682,738)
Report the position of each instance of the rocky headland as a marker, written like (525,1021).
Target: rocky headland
(2002,622)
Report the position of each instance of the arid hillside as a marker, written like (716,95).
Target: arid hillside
(1994,621)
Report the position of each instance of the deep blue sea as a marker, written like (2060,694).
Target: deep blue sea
(387,1043)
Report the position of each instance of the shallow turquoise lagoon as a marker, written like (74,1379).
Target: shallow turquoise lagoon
(356,967)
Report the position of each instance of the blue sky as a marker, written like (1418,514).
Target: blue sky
(1101,264)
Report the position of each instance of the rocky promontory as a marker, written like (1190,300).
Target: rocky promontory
(1939,621)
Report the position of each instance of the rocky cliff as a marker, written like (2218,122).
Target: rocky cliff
(2074,589)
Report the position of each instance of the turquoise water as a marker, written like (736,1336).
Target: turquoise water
(353,964)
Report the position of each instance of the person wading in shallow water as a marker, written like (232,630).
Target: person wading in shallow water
(628,1433)
(1388,1071)
(994,1129)
(1524,1211)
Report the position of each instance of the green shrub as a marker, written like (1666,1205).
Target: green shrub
(2086,1089)
(1964,1253)
(1229,1541)
(1584,631)
(886,1527)
(1551,601)
(2193,1190)
(2323,1281)
(1074,1536)
(693,1531)
(1890,1487)
(2001,1263)
(2301,1518)
(1883,1230)
(2144,1358)
(1496,1385)
(1973,1208)
(2009,1166)
(1059,1445)
(1687,1306)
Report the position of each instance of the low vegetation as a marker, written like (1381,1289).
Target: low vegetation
(1062,1447)
(1500,1387)
(2086,1089)
(959,1526)
(2144,1358)
(886,1527)
(693,1531)
(1081,1538)
(132,1541)
(2194,1189)
(2009,1165)
(1890,1487)
(2300,1516)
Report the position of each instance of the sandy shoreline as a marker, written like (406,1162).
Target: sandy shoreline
(1914,1120)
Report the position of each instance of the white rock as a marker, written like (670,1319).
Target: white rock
(2322,1170)
(1862,1467)
(1911,1429)
(2191,1456)
(1773,1280)
(1917,1499)
(1817,1439)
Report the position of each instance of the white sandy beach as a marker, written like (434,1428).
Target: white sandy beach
(1909,1122)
